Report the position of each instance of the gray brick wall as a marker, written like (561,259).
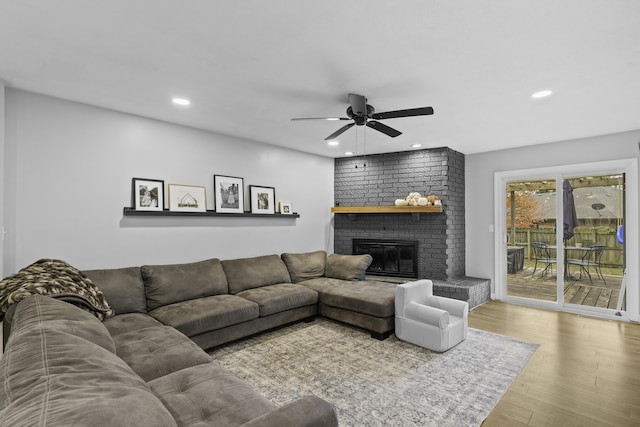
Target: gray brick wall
(391,176)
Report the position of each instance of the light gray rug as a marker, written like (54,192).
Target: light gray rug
(379,383)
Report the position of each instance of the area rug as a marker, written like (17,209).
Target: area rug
(379,383)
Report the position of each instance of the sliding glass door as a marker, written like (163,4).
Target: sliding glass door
(531,239)
(595,256)
(563,241)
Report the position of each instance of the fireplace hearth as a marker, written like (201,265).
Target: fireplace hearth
(396,258)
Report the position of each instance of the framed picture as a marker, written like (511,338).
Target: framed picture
(228,193)
(262,199)
(147,194)
(285,208)
(187,198)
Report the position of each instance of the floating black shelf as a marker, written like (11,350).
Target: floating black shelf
(134,212)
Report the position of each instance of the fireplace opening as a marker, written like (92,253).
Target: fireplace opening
(398,258)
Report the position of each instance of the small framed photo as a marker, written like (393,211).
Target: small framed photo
(285,208)
(262,199)
(187,198)
(147,194)
(228,193)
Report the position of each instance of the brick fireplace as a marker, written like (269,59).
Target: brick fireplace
(379,180)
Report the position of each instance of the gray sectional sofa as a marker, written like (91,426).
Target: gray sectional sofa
(146,365)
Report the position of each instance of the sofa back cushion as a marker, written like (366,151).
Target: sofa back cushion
(347,267)
(53,375)
(168,284)
(250,273)
(122,287)
(305,266)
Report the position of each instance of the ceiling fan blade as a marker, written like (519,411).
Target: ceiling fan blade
(358,104)
(383,128)
(411,112)
(319,118)
(339,132)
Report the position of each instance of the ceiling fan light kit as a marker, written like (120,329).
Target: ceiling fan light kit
(363,114)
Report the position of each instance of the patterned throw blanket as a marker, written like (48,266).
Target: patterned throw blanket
(56,279)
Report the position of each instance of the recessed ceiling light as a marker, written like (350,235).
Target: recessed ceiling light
(348,153)
(541,94)
(333,142)
(181,101)
(416,145)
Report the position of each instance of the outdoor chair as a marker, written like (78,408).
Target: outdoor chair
(542,255)
(590,258)
(429,321)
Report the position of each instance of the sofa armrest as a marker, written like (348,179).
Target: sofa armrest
(309,411)
(426,314)
(453,306)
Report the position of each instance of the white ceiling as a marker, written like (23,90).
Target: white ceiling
(250,66)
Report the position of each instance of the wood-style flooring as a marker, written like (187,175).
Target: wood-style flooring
(586,371)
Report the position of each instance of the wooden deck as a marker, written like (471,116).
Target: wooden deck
(576,291)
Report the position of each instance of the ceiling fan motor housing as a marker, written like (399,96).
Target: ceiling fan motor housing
(360,119)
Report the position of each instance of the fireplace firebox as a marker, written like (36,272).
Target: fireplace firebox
(396,258)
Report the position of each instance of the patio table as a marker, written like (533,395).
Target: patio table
(567,275)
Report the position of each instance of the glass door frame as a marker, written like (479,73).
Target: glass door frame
(627,166)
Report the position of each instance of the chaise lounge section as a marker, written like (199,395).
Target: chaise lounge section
(343,294)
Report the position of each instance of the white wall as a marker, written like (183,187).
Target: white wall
(68,177)
(479,175)
(2,162)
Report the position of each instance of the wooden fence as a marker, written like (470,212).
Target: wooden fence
(611,257)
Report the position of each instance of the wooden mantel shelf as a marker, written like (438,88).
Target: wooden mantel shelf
(385,209)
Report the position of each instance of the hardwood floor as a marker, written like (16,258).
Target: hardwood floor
(586,371)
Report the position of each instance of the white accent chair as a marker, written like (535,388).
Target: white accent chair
(427,320)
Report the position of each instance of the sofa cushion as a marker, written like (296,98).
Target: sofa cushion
(305,266)
(38,311)
(202,315)
(276,298)
(248,273)
(122,323)
(55,378)
(367,297)
(167,284)
(157,351)
(209,395)
(347,267)
(122,287)
(56,279)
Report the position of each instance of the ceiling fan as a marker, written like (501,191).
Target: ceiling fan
(364,114)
